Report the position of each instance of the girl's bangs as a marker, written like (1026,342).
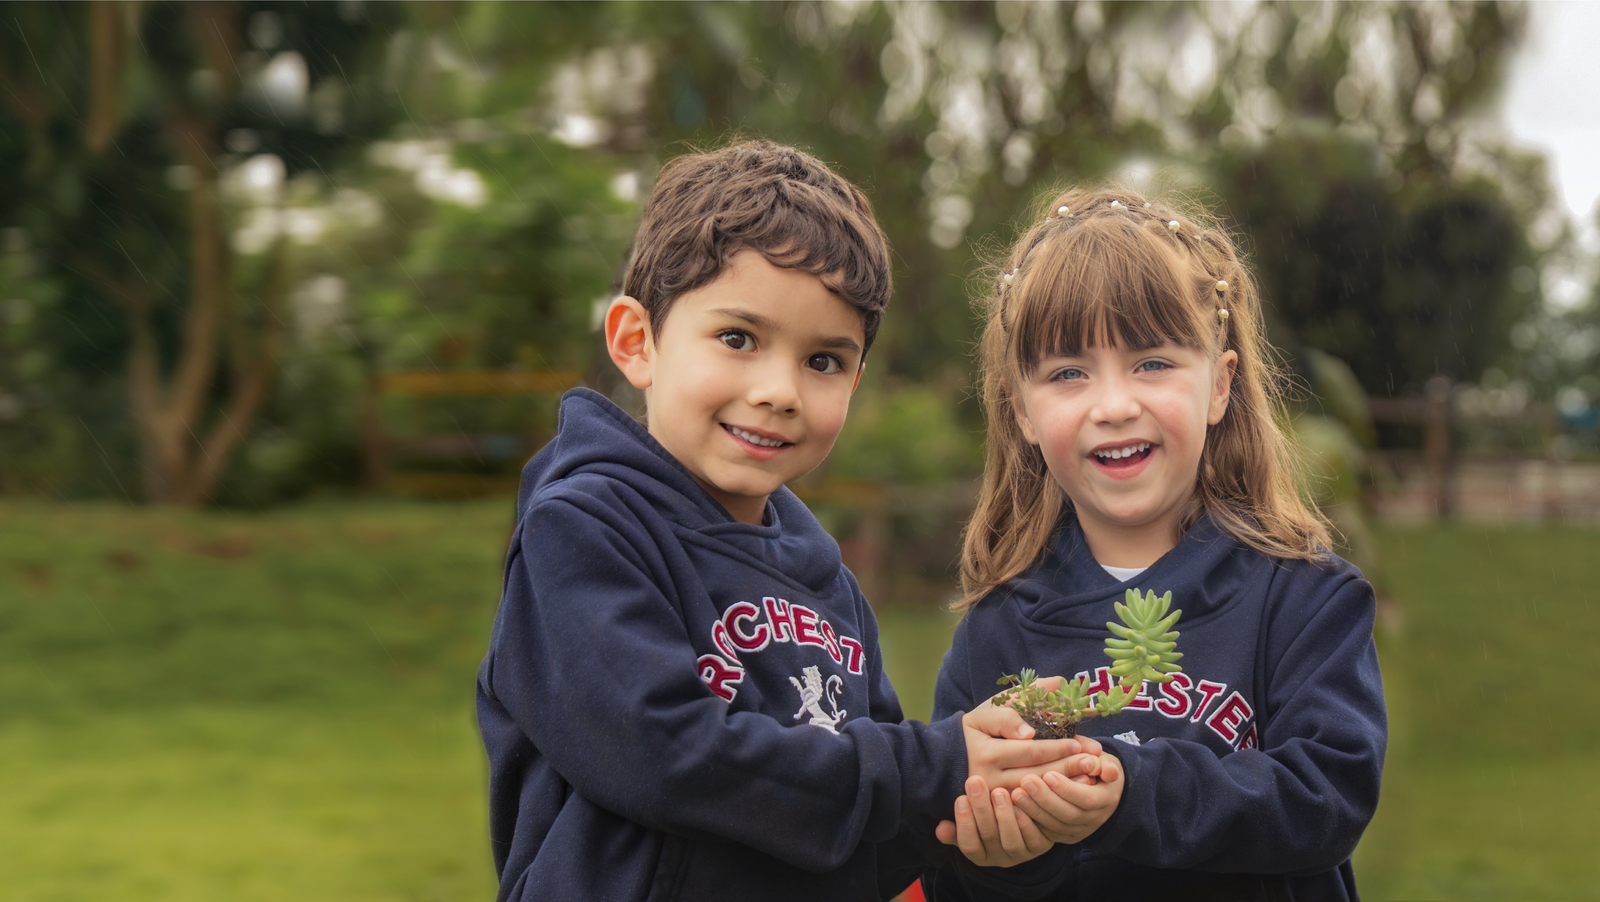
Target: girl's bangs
(1103,284)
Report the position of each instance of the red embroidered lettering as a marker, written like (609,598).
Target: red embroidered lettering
(854,648)
(1208,691)
(778,614)
(1101,684)
(805,625)
(1175,699)
(723,641)
(1140,702)
(830,640)
(1250,741)
(1230,714)
(754,640)
(720,676)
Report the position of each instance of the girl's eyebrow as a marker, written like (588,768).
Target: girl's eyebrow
(834,343)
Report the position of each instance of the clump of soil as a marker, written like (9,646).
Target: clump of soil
(1048,729)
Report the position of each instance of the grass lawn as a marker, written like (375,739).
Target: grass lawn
(1490,789)
(199,706)
(273,706)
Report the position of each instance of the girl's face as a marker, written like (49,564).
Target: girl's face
(1122,432)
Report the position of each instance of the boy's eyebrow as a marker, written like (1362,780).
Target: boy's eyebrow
(836,343)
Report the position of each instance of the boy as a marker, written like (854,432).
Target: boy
(683,696)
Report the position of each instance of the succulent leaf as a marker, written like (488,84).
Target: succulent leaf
(1146,645)
(1143,649)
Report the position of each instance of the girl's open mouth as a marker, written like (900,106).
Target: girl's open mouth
(1118,458)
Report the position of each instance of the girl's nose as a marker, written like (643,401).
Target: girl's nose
(1114,404)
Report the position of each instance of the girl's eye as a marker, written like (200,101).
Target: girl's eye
(739,340)
(824,363)
(1153,366)
(1070,374)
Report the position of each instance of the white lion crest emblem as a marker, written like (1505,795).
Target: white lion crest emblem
(811,695)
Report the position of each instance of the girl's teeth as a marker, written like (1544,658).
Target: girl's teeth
(1119,453)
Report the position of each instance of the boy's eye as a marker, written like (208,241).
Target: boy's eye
(824,363)
(738,340)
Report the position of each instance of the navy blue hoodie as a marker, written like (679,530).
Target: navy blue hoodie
(1251,775)
(677,705)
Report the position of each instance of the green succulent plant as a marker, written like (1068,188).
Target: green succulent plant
(1143,647)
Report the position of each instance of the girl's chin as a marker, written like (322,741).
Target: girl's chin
(1131,517)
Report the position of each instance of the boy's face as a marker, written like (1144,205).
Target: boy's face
(748,381)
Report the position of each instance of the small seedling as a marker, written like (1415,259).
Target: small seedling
(1143,647)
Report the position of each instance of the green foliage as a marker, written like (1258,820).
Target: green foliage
(1399,281)
(905,433)
(1371,244)
(1142,648)
(1061,707)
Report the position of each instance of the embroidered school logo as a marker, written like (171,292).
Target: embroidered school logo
(811,695)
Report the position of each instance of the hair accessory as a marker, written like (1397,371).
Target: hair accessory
(1222,287)
(1172,226)
(1062,210)
(1006,279)
(1222,315)
(1147,205)
(1116,203)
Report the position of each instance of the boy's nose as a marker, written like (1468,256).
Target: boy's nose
(775,387)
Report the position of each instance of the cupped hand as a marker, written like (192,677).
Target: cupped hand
(989,829)
(1067,809)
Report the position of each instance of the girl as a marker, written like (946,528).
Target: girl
(1130,398)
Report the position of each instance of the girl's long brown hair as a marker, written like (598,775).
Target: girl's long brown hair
(1118,268)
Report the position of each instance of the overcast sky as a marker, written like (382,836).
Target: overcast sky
(1553,99)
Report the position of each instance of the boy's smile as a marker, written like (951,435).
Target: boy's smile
(749,379)
(1122,431)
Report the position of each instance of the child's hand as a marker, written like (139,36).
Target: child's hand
(994,754)
(990,831)
(1067,809)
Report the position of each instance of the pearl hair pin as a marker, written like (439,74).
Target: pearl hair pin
(1222,315)
(1222,287)
(1006,279)
(1062,210)
(1172,226)
(1117,204)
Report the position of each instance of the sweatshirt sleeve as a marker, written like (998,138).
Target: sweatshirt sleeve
(958,879)
(1299,803)
(593,662)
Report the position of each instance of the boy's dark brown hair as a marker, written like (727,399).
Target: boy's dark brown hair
(783,203)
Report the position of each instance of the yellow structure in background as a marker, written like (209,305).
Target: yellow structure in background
(382,448)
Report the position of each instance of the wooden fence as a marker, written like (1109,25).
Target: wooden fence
(391,460)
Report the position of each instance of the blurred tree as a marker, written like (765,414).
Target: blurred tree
(137,117)
(452,184)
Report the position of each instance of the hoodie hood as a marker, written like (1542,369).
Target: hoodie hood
(1069,593)
(596,438)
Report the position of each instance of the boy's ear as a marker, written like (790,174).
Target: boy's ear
(1223,390)
(859,370)
(629,341)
